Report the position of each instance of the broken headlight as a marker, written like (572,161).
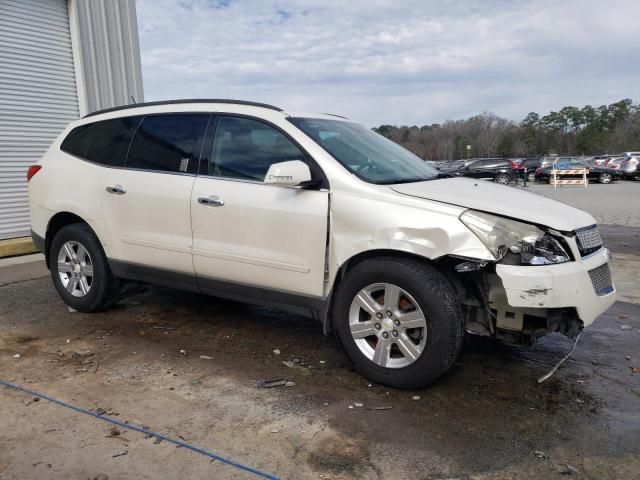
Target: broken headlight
(501,235)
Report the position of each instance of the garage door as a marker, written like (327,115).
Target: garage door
(37,97)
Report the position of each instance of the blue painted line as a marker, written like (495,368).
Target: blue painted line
(129,426)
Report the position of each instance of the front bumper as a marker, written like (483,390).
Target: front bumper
(564,285)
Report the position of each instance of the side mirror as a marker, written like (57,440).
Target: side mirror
(288,174)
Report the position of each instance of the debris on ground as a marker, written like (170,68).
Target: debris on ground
(114,432)
(569,470)
(290,384)
(415,397)
(275,431)
(157,441)
(623,316)
(100,411)
(278,382)
(380,408)
(540,454)
(183,352)
(71,310)
(625,327)
(206,357)
(297,366)
(628,357)
(17,355)
(635,369)
(121,454)
(160,327)
(276,352)
(357,404)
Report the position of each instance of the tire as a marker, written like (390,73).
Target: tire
(502,179)
(434,300)
(605,178)
(531,176)
(86,282)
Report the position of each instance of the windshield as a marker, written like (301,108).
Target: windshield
(367,154)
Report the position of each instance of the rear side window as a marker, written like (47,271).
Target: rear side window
(168,143)
(102,142)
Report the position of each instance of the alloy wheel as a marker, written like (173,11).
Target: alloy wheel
(388,325)
(75,269)
(605,178)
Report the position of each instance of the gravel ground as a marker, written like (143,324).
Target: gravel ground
(188,366)
(613,204)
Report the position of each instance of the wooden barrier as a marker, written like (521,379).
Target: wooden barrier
(555,181)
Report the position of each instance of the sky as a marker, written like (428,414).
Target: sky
(402,62)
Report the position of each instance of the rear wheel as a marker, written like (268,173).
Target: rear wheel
(79,269)
(398,322)
(531,176)
(502,179)
(605,178)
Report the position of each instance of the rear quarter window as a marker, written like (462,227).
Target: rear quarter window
(103,142)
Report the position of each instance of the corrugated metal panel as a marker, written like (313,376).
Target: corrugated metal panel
(110,53)
(38,97)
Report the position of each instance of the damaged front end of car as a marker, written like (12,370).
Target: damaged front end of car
(540,280)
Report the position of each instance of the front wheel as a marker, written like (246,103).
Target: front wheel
(605,178)
(531,176)
(502,179)
(79,269)
(398,321)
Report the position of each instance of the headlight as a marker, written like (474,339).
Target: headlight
(501,235)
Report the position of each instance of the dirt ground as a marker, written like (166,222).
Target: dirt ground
(142,362)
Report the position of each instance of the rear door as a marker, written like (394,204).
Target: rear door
(250,233)
(146,201)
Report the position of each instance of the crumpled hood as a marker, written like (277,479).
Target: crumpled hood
(500,200)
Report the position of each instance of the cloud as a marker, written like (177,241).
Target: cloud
(409,62)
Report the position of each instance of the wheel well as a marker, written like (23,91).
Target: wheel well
(464,287)
(326,318)
(58,221)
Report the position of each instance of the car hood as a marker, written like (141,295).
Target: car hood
(500,200)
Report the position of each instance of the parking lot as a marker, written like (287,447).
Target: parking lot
(189,366)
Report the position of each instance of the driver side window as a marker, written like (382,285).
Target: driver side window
(245,149)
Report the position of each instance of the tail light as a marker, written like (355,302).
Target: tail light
(514,165)
(33,169)
(538,170)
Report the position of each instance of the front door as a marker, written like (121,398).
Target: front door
(249,233)
(146,204)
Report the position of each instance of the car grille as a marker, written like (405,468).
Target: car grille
(601,279)
(589,240)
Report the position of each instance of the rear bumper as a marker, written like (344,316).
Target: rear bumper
(567,285)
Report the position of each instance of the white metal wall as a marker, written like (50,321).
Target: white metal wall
(38,97)
(104,34)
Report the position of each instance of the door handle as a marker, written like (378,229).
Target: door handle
(116,190)
(210,201)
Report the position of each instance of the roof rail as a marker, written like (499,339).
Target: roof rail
(174,102)
(336,115)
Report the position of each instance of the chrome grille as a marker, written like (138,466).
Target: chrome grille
(601,279)
(589,240)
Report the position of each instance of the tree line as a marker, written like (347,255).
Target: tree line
(570,131)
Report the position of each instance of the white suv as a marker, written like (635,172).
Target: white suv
(318,215)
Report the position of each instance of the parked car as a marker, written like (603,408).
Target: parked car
(630,167)
(614,162)
(499,170)
(450,165)
(531,165)
(599,174)
(317,215)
